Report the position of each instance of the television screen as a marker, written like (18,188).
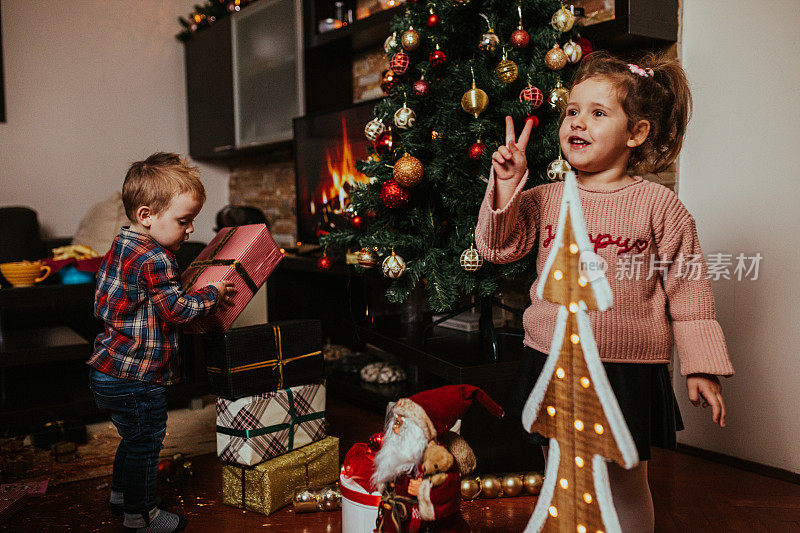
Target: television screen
(327,147)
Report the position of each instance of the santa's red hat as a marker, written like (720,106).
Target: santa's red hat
(437,410)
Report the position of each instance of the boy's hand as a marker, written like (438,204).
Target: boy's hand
(226,292)
(509,161)
(707,387)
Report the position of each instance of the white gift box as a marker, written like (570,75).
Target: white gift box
(359,507)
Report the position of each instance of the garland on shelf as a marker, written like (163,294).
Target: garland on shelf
(208,14)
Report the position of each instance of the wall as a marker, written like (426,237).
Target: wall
(91,86)
(738,176)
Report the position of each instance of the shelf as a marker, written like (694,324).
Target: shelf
(44,295)
(22,347)
(363,33)
(372,395)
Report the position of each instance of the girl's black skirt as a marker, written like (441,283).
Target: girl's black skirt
(644,393)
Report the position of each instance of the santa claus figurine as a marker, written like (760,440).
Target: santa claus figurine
(419,466)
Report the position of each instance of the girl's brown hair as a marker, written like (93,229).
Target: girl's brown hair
(155,181)
(663,99)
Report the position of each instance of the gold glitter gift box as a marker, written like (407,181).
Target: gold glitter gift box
(270,485)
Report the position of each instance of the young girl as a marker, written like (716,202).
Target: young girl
(621,120)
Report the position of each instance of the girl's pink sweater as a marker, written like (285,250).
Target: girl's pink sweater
(642,224)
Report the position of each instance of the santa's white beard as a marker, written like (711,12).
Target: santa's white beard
(399,453)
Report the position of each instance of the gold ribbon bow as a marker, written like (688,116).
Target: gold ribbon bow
(398,507)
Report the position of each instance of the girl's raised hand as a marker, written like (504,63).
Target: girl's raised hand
(509,161)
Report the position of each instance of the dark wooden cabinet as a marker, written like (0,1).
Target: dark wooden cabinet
(631,25)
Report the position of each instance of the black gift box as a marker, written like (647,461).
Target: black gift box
(59,431)
(257,359)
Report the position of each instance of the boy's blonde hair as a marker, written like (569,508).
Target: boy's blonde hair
(155,181)
(662,98)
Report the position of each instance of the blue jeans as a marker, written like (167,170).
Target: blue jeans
(139,412)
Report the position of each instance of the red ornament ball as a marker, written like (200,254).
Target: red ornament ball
(384,142)
(520,38)
(167,468)
(393,195)
(437,58)
(421,88)
(375,442)
(476,150)
(433,20)
(324,263)
(399,63)
(535,120)
(585,44)
(533,95)
(357,222)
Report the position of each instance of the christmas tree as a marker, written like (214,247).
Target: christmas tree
(458,67)
(572,401)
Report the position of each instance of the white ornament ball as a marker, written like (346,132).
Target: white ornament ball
(471,260)
(390,43)
(404,118)
(563,20)
(557,170)
(393,266)
(573,50)
(374,128)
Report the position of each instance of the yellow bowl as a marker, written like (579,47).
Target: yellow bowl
(24,273)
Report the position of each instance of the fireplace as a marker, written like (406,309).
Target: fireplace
(327,147)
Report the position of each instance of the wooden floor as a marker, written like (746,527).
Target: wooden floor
(691,494)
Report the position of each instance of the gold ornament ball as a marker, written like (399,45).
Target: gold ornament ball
(512,485)
(507,71)
(558,96)
(471,260)
(407,171)
(555,59)
(435,135)
(474,101)
(573,51)
(470,488)
(489,41)
(490,486)
(404,118)
(563,20)
(533,483)
(305,501)
(393,266)
(557,170)
(330,499)
(410,39)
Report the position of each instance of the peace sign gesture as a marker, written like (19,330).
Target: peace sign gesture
(509,161)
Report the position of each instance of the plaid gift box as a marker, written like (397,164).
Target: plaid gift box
(248,361)
(270,485)
(10,503)
(253,429)
(245,255)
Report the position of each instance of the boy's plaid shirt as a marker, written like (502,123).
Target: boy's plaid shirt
(140,300)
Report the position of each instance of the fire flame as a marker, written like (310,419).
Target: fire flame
(332,192)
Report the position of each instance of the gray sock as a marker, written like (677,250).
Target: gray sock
(116,498)
(160,522)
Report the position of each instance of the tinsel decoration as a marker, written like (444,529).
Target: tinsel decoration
(393,266)
(470,259)
(555,59)
(407,171)
(393,195)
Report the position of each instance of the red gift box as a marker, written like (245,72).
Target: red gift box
(245,255)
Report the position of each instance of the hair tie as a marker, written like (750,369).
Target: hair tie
(643,72)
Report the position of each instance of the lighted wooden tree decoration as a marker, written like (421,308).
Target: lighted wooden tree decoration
(572,402)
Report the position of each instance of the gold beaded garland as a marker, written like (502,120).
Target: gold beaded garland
(470,488)
(533,483)
(512,485)
(490,486)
